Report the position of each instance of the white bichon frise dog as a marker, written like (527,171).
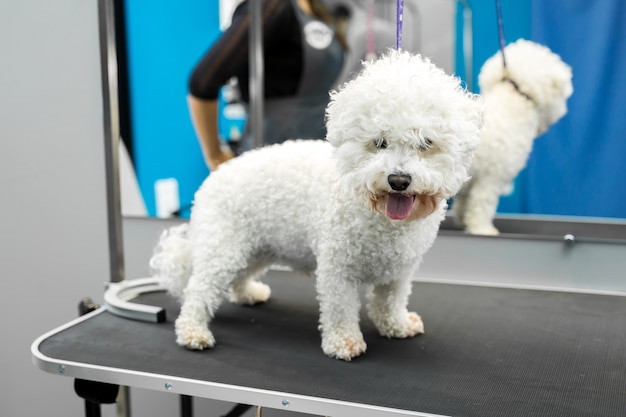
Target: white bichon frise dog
(521,102)
(360,208)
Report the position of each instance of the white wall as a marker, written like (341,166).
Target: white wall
(437,31)
(53,231)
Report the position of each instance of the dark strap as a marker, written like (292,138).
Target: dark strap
(506,78)
(501,32)
(514,84)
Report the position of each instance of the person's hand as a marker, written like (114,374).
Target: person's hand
(219,157)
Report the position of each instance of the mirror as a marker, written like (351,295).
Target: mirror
(574,170)
(158,133)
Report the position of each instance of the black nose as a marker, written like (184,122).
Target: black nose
(399,182)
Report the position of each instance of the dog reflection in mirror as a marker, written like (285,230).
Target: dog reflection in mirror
(522,100)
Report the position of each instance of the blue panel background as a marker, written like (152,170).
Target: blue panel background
(165,40)
(578,167)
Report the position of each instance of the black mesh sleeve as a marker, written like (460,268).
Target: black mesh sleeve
(228,56)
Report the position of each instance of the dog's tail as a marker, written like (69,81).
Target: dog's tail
(171,261)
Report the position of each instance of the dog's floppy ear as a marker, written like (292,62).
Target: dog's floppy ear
(331,132)
(341,112)
(476,115)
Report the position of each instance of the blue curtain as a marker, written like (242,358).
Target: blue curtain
(579,166)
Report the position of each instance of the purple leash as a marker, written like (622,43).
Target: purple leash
(399,18)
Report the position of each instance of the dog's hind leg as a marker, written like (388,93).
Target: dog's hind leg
(339,315)
(248,290)
(387,307)
(480,209)
(207,287)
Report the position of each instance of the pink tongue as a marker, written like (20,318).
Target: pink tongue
(399,206)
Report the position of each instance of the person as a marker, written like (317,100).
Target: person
(303,56)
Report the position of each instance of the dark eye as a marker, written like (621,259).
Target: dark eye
(381,143)
(426,145)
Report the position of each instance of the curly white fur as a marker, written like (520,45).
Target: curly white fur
(360,208)
(514,117)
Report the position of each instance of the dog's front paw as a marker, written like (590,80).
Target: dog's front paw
(343,347)
(407,326)
(193,336)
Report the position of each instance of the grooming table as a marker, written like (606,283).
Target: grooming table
(487,352)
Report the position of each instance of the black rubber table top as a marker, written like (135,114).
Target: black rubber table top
(486,352)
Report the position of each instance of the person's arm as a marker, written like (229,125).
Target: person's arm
(226,58)
(204,118)
(223,60)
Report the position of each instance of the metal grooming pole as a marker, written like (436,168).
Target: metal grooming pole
(120,292)
(256,81)
(108,62)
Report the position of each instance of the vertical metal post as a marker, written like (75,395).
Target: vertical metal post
(256,81)
(108,65)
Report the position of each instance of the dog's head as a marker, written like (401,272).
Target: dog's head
(538,73)
(404,134)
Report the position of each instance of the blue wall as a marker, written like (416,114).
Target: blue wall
(165,40)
